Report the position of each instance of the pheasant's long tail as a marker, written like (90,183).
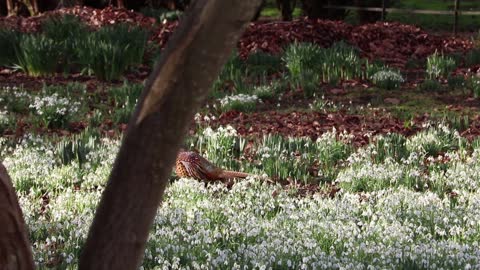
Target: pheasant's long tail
(232,174)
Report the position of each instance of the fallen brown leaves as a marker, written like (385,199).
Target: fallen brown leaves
(313,124)
(92,17)
(394,43)
(273,36)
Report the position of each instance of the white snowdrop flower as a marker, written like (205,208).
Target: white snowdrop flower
(387,78)
(240,98)
(197,117)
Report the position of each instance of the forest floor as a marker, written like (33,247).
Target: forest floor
(400,46)
(363,172)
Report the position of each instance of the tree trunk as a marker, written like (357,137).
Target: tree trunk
(259,11)
(314,9)
(120,4)
(3,8)
(368,16)
(15,250)
(286,8)
(176,89)
(32,6)
(35,7)
(12,9)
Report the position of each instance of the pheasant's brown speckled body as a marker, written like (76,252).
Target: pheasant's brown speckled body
(191,164)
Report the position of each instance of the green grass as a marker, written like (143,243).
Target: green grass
(437,22)
(413,102)
(125,98)
(437,4)
(76,148)
(270,10)
(9,42)
(439,66)
(66,45)
(117,48)
(38,55)
(68,32)
(274,13)
(309,65)
(432,22)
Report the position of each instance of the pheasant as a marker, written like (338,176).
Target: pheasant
(191,164)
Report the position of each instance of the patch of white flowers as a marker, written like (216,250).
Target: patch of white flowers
(4,119)
(14,91)
(54,104)
(264,91)
(388,79)
(370,176)
(255,225)
(439,65)
(54,109)
(14,99)
(243,98)
(475,84)
(216,145)
(434,139)
(388,75)
(242,102)
(324,105)
(227,131)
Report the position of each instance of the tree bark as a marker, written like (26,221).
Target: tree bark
(177,87)
(12,9)
(35,8)
(314,9)
(365,16)
(259,11)
(15,250)
(120,4)
(286,8)
(32,6)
